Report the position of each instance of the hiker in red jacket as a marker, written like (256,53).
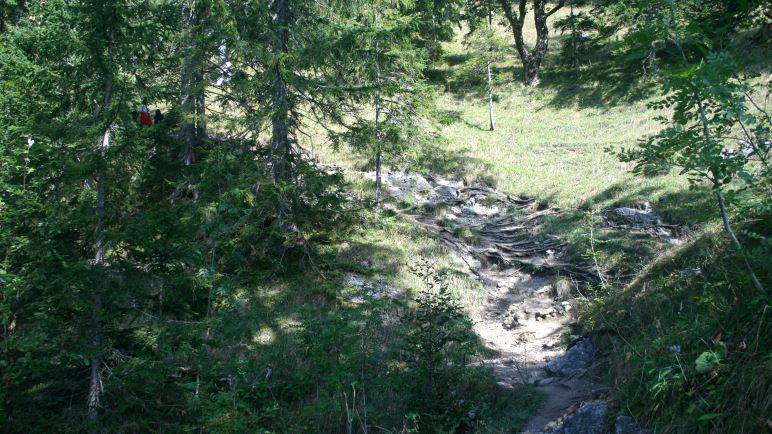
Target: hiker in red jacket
(144,116)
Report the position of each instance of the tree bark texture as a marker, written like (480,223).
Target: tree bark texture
(490,97)
(378,152)
(531,58)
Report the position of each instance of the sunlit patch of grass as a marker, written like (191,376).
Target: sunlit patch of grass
(437,209)
(694,298)
(392,244)
(465,234)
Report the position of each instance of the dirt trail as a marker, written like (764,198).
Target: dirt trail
(524,321)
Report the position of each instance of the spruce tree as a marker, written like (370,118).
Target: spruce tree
(72,82)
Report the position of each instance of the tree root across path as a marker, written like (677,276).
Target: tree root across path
(528,280)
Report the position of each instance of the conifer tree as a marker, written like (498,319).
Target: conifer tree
(386,68)
(436,21)
(72,74)
(294,57)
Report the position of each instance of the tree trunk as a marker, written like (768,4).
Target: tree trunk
(490,97)
(720,195)
(733,237)
(224,66)
(378,145)
(97,361)
(378,152)
(531,71)
(192,100)
(530,58)
(95,383)
(577,69)
(187,99)
(281,144)
(200,132)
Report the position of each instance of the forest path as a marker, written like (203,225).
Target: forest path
(529,308)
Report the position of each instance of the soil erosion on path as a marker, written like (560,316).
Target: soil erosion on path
(530,288)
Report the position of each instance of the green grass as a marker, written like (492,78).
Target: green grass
(550,144)
(308,326)
(394,244)
(550,141)
(695,299)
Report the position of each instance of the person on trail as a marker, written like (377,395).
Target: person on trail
(158,116)
(144,116)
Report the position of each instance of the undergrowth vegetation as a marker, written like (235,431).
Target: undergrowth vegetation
(686,335)
(222,268)
(690,339)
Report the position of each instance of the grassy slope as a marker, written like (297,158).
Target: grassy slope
(549,144)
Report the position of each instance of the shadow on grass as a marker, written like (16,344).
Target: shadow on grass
(373,346)
(622,252)
(607,81)
(437,160)
(302,352)
(697,299)
(683,207)
(603,83)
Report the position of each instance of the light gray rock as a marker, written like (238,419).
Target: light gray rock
(409,181)
(377,289)
(639,217)
(355,281)
(628,425)
(445,192)
(578,357)
(545,381)
(510,321)
(482,210)
(590,418)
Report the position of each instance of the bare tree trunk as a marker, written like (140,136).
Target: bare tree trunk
(225,64)
(200,133)
(281,144)
(531,59)
(650,66)
(516,23)
(95,383)
(490,82)
(378,152)
(378,145)
(490,97)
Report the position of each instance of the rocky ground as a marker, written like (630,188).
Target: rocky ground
(532,290)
